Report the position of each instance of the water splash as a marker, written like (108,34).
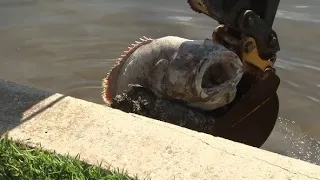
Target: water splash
(288,139)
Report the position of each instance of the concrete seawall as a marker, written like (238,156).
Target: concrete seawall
(143,146)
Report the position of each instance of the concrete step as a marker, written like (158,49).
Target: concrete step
(143,146)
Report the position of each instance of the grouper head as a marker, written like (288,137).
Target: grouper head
(202,73)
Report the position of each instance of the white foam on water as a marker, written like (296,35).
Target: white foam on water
(287,64)
(284,64)
(180,18)
(289,139)
(301,7)
(292,83)
(313,98)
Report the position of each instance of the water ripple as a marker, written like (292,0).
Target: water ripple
(313,98)
(297,16)
(71,87)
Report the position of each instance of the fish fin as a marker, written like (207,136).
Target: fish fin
(109,83)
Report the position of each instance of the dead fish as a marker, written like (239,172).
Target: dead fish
(200,73)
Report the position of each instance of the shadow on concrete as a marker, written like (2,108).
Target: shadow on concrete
(15,99)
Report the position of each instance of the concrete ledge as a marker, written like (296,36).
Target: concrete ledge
(143,146)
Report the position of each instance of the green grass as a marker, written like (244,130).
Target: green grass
(20,162)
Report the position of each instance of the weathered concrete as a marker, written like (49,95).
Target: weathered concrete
(144,146)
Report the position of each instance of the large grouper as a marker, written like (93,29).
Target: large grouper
(200,73)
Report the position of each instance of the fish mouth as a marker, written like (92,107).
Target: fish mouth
(220,76)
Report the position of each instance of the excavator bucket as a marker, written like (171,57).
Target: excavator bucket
(252,116)
(246,28)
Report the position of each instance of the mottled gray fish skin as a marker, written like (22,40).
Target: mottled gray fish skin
(202,73)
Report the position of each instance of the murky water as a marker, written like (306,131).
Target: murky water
(68,47)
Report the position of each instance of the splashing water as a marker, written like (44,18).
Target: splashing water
(287,139)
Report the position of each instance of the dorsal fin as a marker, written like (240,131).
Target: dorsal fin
(109,83)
